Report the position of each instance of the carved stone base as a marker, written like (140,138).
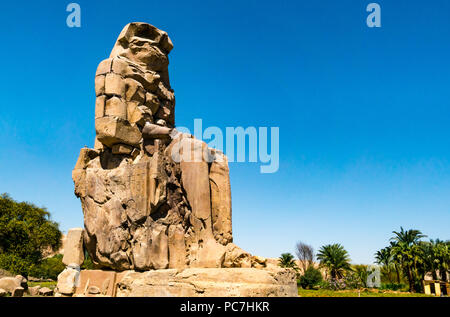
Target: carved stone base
(190,282)
(213,282)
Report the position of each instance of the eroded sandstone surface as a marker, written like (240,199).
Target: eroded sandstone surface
(197,282)
(144,208)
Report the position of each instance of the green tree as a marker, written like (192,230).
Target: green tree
(384,258)
(310,278)
(287,260)
(443,257)
(48,268)
(397,265)
(435,257)
(335,258)
(25,231)
(361,274)
(407,252)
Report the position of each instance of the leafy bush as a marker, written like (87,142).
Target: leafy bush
(49,268)
(310,278)
(15,264)
(351,280)
(393,286)
(333,284)
(87,264)
(361,273)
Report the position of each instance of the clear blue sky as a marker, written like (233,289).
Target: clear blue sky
(364,114)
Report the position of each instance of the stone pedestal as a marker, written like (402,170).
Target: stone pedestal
(190,282)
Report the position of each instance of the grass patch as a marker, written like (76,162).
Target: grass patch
(354,293)
(50,285)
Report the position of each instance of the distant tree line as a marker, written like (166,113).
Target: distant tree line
(408,259)
(412,258)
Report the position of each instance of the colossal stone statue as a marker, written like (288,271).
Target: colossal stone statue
(156,202)
(143,208)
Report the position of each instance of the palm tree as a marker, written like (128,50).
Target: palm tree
(411,236)
(406,251)
(436,257)
(445,261)
(335,258)
(384,258)
(397,265)
(429,260)
(287,260)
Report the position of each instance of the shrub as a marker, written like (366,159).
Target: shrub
(87,264)
(361,274)
(311,278)
(352,280)
(333,284)
(393,286)
(48,268)
(15,264)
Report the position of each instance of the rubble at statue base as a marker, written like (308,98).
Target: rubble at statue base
(156,202)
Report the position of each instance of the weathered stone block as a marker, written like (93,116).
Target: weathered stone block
(86,155)
(119,66)
(134,91)
(104,67)
(138,114)
(34,291)
(105,281)
(114,85)
(116,107)
(100,103)
(219,179)
(99,85)
(9,284)
(159,250)
(73,250)
(18,292)
(111,130)
(177,247)
(152,102)
(122,149)
(68,280)
(163,113)
(45,291)
(154,131)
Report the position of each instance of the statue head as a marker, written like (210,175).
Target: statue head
(144,44)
